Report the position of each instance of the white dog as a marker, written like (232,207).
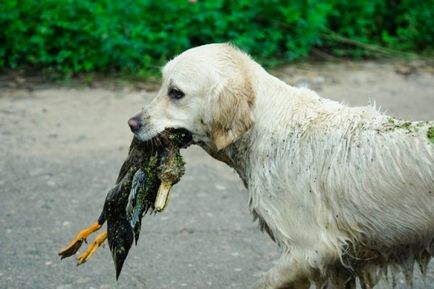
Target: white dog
(346,192)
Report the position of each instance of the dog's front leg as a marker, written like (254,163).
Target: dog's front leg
(287,274)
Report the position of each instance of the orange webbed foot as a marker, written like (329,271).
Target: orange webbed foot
(76,243)
(91,249)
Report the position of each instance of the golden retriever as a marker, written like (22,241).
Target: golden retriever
(346,192)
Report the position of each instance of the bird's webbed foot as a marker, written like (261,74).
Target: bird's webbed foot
(91,249)
(76,243)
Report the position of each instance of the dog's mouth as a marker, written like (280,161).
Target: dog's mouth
(181,137)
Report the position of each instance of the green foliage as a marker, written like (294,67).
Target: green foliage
(402,25)
(430,134)
(136,36)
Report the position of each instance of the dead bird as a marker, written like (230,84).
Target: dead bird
(142,186)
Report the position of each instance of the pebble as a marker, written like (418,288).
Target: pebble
(48,263)
(302,83)
(83,280)
(220,187)
(64,286)
(51,183)
(66,223)
(318,80)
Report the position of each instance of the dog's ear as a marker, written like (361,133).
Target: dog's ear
(231,112)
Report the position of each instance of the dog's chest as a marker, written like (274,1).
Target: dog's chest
(280,195)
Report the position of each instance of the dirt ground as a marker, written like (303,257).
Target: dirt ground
(61,148)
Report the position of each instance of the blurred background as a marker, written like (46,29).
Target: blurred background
(135,37)
(72,72)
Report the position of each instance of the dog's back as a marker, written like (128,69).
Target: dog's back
(357,181)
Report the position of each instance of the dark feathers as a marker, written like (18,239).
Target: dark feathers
(136,188)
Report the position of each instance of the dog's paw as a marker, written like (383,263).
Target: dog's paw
(262,286)
(263,283)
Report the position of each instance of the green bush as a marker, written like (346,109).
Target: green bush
(136,36)
(402,25)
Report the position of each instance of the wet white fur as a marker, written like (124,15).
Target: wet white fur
(329,182)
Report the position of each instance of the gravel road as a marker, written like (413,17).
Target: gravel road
(61,148)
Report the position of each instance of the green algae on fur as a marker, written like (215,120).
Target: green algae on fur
(430,134)
(410,127)
(393,124)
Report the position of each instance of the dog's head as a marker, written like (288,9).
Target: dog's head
(206,90)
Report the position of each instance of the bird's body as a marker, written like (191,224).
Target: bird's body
(149,165)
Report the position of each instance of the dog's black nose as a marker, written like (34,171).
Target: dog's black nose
(134,124)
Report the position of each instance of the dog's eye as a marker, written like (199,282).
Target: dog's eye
(175,93)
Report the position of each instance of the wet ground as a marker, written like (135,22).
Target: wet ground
(61,148)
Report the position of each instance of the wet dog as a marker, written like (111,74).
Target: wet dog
(346,192)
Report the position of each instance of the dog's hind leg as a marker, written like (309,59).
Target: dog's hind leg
(287,274)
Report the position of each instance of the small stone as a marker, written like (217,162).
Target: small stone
(51,183)
(318,80)
(83,280)
(48,263)
(64,286)
(302,83)
(220,187)
(66,223)
(405,70)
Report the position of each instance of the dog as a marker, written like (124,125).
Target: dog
(346,192)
